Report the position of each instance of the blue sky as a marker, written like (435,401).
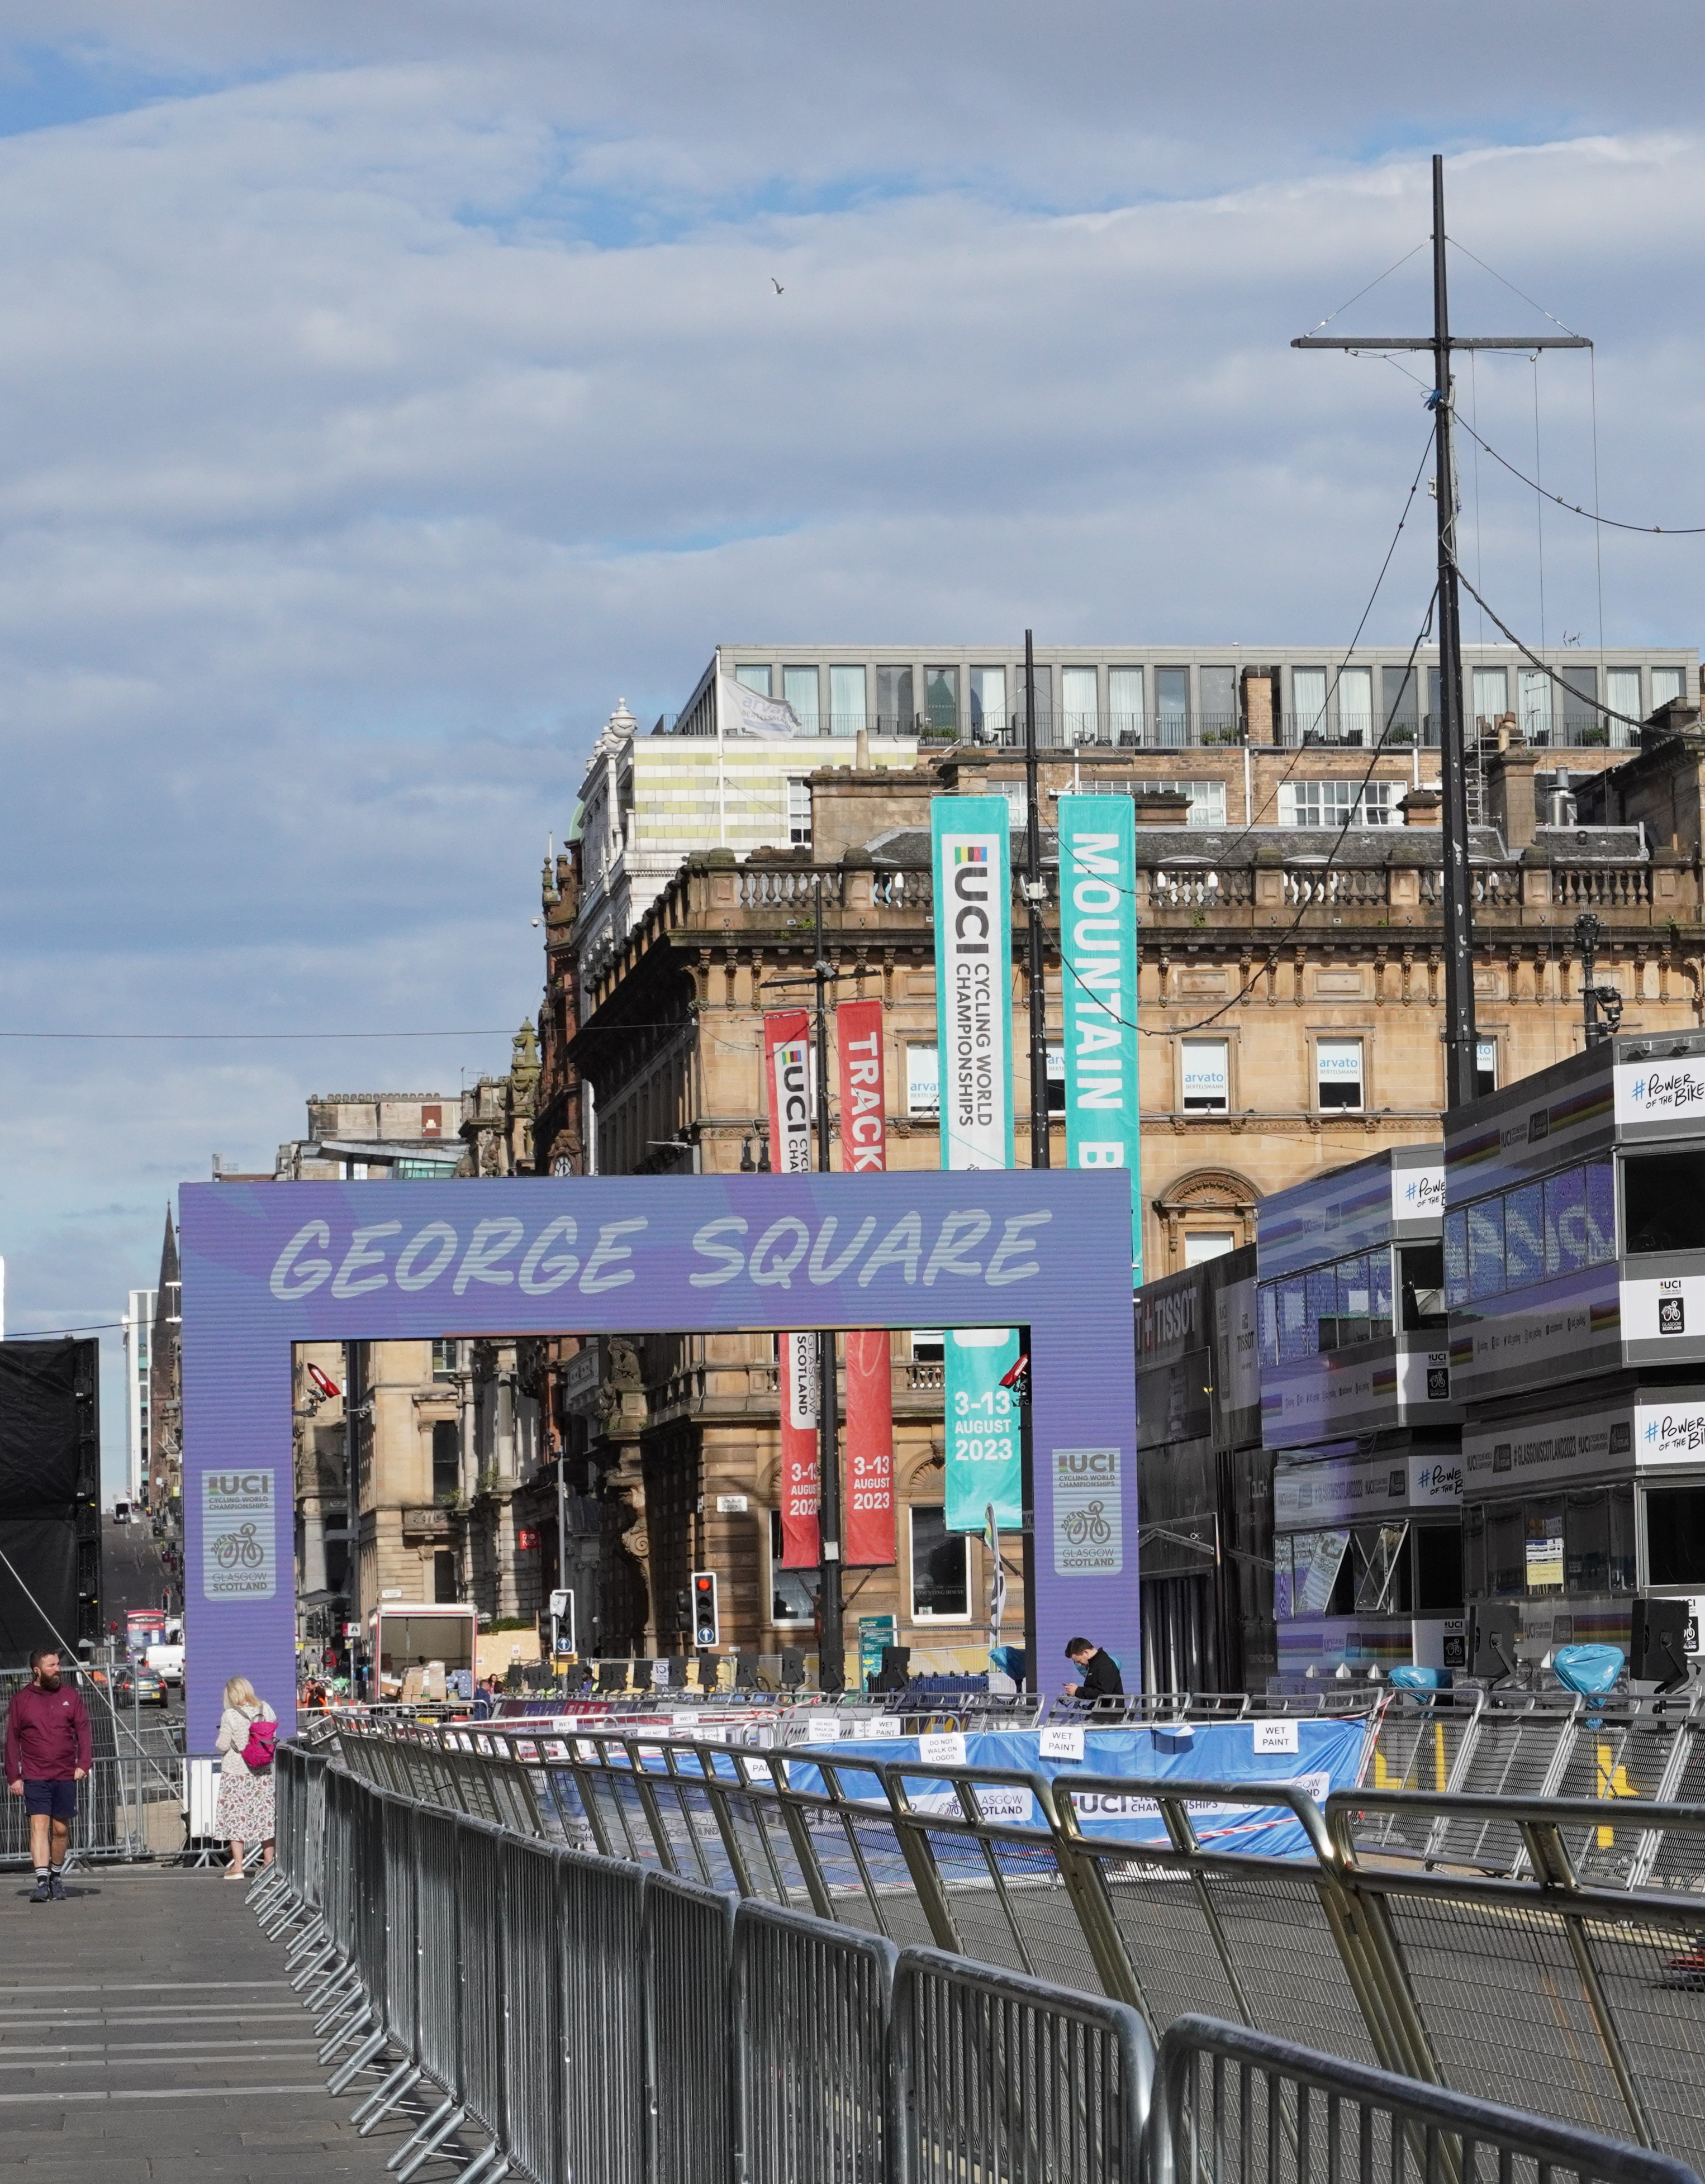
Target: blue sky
(384,392)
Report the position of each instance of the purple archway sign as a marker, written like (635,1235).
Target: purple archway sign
(268,1265)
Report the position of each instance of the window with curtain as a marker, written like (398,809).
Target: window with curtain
(1666,682)
(1125,704)
(1355,722)
(1078,702)
(846,700)
(755,675)
(1491,694)
(988,707)
(799,688)
(1308,700)
(1622,696)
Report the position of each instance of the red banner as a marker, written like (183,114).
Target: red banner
(788,1090)
(869,1467)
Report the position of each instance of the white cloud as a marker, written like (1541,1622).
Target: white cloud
(374,419)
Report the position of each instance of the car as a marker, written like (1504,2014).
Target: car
(141,1686)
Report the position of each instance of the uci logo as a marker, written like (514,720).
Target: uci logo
(1088,1462)
(248,1484)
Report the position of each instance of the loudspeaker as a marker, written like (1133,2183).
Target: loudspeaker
(1659,1654)
(1492,1643)
(895,1671)
(793,1668)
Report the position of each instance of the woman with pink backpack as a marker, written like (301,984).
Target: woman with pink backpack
(247,1733)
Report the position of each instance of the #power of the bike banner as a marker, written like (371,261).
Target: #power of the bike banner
(1098,948)
(970,842)
(868,1536)
(787,1084)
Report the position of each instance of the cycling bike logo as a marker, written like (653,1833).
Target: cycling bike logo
(240,1550)
(1088,1527)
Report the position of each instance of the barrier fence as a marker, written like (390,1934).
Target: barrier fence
(580,2016)
(1577,1972)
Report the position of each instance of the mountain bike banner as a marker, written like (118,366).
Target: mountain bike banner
(1315,1756)
(1098,952)
(788,1087)
(868,1536)
(983,1467)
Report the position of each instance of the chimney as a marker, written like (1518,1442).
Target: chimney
(1257,704)
(1511,776)
(1561,807)
(1162,807)
(1420,807)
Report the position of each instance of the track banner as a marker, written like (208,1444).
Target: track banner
(970,844)
(788,1085)
(984,1468)
(1098,952)
(869,1465)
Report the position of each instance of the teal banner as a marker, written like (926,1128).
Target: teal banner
(969,846)
(1098,952)
(983,1467)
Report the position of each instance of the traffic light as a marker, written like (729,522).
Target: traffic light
(707,1629)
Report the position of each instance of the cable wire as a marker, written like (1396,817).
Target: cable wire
(1573,508)
(1609,712)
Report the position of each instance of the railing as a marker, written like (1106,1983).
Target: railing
(1577,1970)
(1334,885)
(1199,887)
(587,2015)
(1602,886)
(788,887)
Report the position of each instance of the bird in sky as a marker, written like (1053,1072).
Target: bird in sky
(775,285)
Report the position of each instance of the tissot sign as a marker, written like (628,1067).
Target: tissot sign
(267,1265)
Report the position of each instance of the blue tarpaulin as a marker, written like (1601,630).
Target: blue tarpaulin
(1327,1755)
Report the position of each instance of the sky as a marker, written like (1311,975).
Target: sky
(386,391)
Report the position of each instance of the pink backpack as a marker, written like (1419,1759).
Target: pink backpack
(257,1752)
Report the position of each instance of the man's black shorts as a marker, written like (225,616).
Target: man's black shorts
(57,1799)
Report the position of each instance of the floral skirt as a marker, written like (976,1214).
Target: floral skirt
(244,1812)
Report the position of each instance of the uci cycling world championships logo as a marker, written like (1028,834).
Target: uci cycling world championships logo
(239,1558)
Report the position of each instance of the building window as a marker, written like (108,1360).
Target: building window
(1401,701)
(1492,695)
(987,701)
(445,1577)
(1583,722)
(1338,1073)
(1205,1075)
(1336,803)
(1535,705)
(895,713)
(1308,700)
(792,1595)
(755,675)
(1666,682)
(928,1344)
(1078,702)
(1485,1066)
(798,812)
(1202,1245)
(1125,705)
(444,1358)
(1056,1080)
(846,701)
(1220,721)
(922,1082)
(941,697)
(447,1459)
(940,1569)
(1172,707)
(799,688)
(1355,705)
(1622,692)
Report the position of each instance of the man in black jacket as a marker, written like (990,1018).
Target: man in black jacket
(1100,1671)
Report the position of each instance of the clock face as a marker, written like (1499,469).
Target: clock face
(562,1165)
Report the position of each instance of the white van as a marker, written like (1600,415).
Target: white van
(167,1662)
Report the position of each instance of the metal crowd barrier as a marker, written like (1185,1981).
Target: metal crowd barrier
(1579,1970)
(1232,2104)
(578,2016)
